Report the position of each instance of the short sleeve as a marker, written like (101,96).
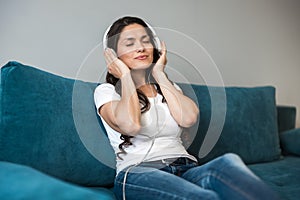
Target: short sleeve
(105,93)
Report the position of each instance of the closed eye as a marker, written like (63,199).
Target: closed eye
(130,41)
(145,39)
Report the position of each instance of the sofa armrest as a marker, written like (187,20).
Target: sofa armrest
(290,141)
(286,116)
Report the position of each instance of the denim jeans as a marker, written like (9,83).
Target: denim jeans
(225,177)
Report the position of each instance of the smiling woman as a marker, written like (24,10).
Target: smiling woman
(144,114)
(134,47)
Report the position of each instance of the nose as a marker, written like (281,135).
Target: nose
(140,47)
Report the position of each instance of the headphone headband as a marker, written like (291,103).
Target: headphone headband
(155,37)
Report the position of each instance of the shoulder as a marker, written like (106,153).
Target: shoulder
(104,93)
(104,87)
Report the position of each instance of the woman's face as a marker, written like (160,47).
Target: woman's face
(134,47)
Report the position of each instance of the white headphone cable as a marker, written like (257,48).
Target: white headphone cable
(152,143)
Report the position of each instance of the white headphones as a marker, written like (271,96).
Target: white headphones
(155,37)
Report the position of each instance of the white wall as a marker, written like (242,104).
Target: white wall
(252,42)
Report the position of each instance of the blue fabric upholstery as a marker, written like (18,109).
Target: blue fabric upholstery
(250,127)
(282,175)
(46,124)
(23,182)
(49,123)
(290,141)
(286,117)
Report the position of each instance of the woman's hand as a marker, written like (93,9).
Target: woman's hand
(122,115)
(182,108)
(114,65)
(161,62)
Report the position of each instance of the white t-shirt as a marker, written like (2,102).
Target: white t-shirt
(159,137)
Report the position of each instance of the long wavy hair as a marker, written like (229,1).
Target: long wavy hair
(112,42)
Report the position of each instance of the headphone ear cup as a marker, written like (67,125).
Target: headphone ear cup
(157,43)
(104,40)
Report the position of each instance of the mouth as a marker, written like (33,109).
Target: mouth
(141,57)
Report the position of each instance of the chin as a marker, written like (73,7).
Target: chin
(140,65)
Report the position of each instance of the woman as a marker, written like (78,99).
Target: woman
(144,112)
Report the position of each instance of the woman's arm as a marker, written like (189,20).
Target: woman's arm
(182,108)
(124,115)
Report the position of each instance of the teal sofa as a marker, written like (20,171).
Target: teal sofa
(53,144)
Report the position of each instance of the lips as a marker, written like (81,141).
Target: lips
(141,57)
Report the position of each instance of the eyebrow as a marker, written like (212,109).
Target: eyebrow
(132,39)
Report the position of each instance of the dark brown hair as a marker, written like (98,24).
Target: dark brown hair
(112,42)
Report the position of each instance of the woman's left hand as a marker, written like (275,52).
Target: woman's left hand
(162,61)
(182,108)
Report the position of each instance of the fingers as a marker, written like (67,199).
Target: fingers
(110,56)
(114,65)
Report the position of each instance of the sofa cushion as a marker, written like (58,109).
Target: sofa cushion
(282,175)
(290,141)
(23,182)
(50,123)
(250,123)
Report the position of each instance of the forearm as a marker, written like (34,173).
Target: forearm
(127,111)
(182,108)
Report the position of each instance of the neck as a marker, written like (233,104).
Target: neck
(138,77)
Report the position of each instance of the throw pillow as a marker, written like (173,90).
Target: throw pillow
(248,118)
(50,123)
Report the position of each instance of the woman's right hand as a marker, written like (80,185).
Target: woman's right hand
(122,115)
(115,66)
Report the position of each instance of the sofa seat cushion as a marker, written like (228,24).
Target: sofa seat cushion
(239,120)
(282,175)
(50,123)
(23,182)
